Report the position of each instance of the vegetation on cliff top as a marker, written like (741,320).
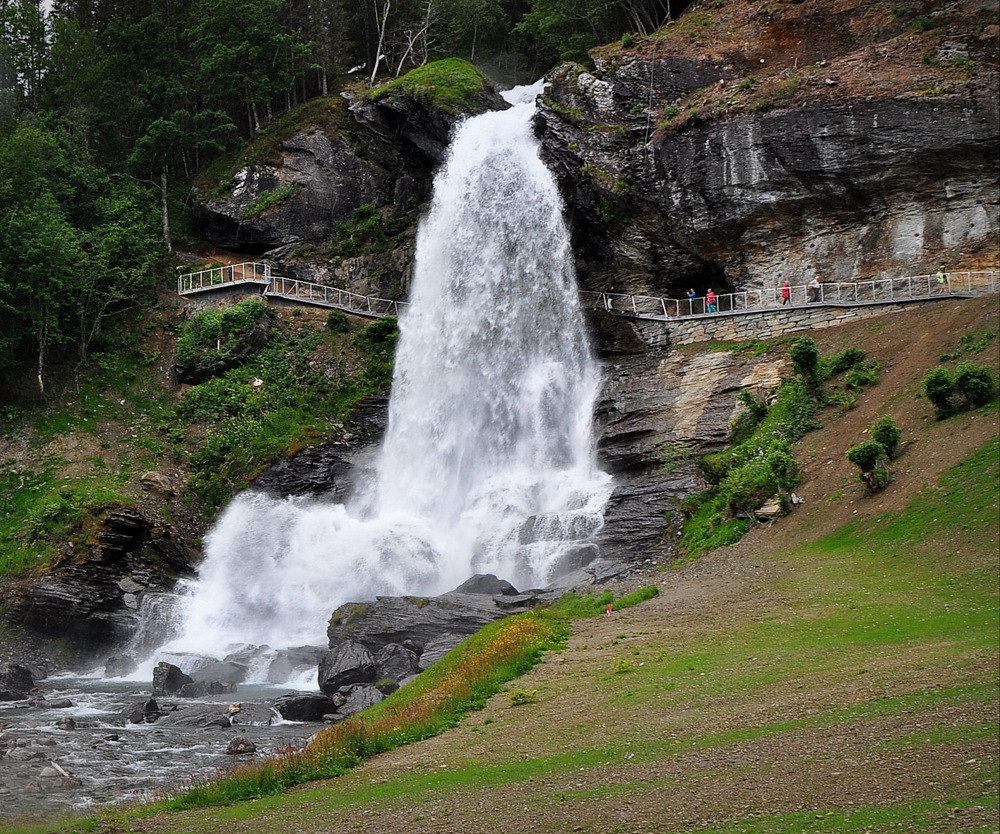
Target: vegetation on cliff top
(451,84)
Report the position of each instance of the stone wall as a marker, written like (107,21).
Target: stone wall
(766,324)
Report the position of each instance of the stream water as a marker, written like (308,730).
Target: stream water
(488,465)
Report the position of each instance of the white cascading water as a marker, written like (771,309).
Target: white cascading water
(488,462)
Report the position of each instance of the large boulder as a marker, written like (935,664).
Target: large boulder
(416,619)
(196,715)
(396,662)
(169,679)
(486,583)
(142,712)
(349,663)
(16,682)
(304,706)
(358,697)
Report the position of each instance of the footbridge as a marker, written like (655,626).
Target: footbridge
(763,313)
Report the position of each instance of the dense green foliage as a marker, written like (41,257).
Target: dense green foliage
(217,331)
(109,109)
(886,433)
(973,383)
(758,466)
(280,399)
(450,84)
(77,247)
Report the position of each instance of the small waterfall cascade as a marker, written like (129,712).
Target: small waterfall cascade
(488,461)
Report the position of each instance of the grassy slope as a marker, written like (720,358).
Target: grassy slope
(835,673)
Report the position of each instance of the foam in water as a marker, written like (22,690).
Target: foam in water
(488,461)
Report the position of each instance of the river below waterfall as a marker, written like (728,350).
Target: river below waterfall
(107,760)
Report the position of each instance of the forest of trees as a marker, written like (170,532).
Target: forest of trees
(103,102)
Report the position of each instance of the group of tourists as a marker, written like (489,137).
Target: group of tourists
(814,293)
(709,303)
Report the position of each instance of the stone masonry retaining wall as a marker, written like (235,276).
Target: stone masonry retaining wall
(764,324)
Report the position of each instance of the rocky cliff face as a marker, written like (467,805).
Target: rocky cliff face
(91,598)
(659,409)
(300,207)
(744,148)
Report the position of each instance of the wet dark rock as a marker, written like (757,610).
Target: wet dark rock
(358,697)
(438,647)
(211,363)
(142,712)
(82,601)
(486,583)
(16,682)
(117,666)
(418,619)
(316,470)
(240,746)
(196,715)
(168,679)
(64,724)
(349,663)
(199,689)
(304,706)
(253,715)
(59,703)
(395,662)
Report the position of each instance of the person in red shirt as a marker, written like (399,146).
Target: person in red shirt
(786,293)
(710,302)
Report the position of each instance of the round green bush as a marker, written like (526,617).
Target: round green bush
(974,382)
(866,455)
(338,321)
(886,433)
(805,358)
(844,361)
(939,388)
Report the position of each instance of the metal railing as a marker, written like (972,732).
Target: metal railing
(884,290)
(879,291)
(324,296)
(280,287)
(207,279)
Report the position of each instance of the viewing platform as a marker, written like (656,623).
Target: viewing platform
(759,313)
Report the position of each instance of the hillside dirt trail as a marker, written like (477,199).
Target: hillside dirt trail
(586,756)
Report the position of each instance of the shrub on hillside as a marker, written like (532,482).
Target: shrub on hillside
(866,455)
(843,361)
(974,382)
(338,321)
(862,374)
(805,359)
(886,433)
(870,457)
(747,418)
(939,388)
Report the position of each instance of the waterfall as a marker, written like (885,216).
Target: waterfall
(488,460)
